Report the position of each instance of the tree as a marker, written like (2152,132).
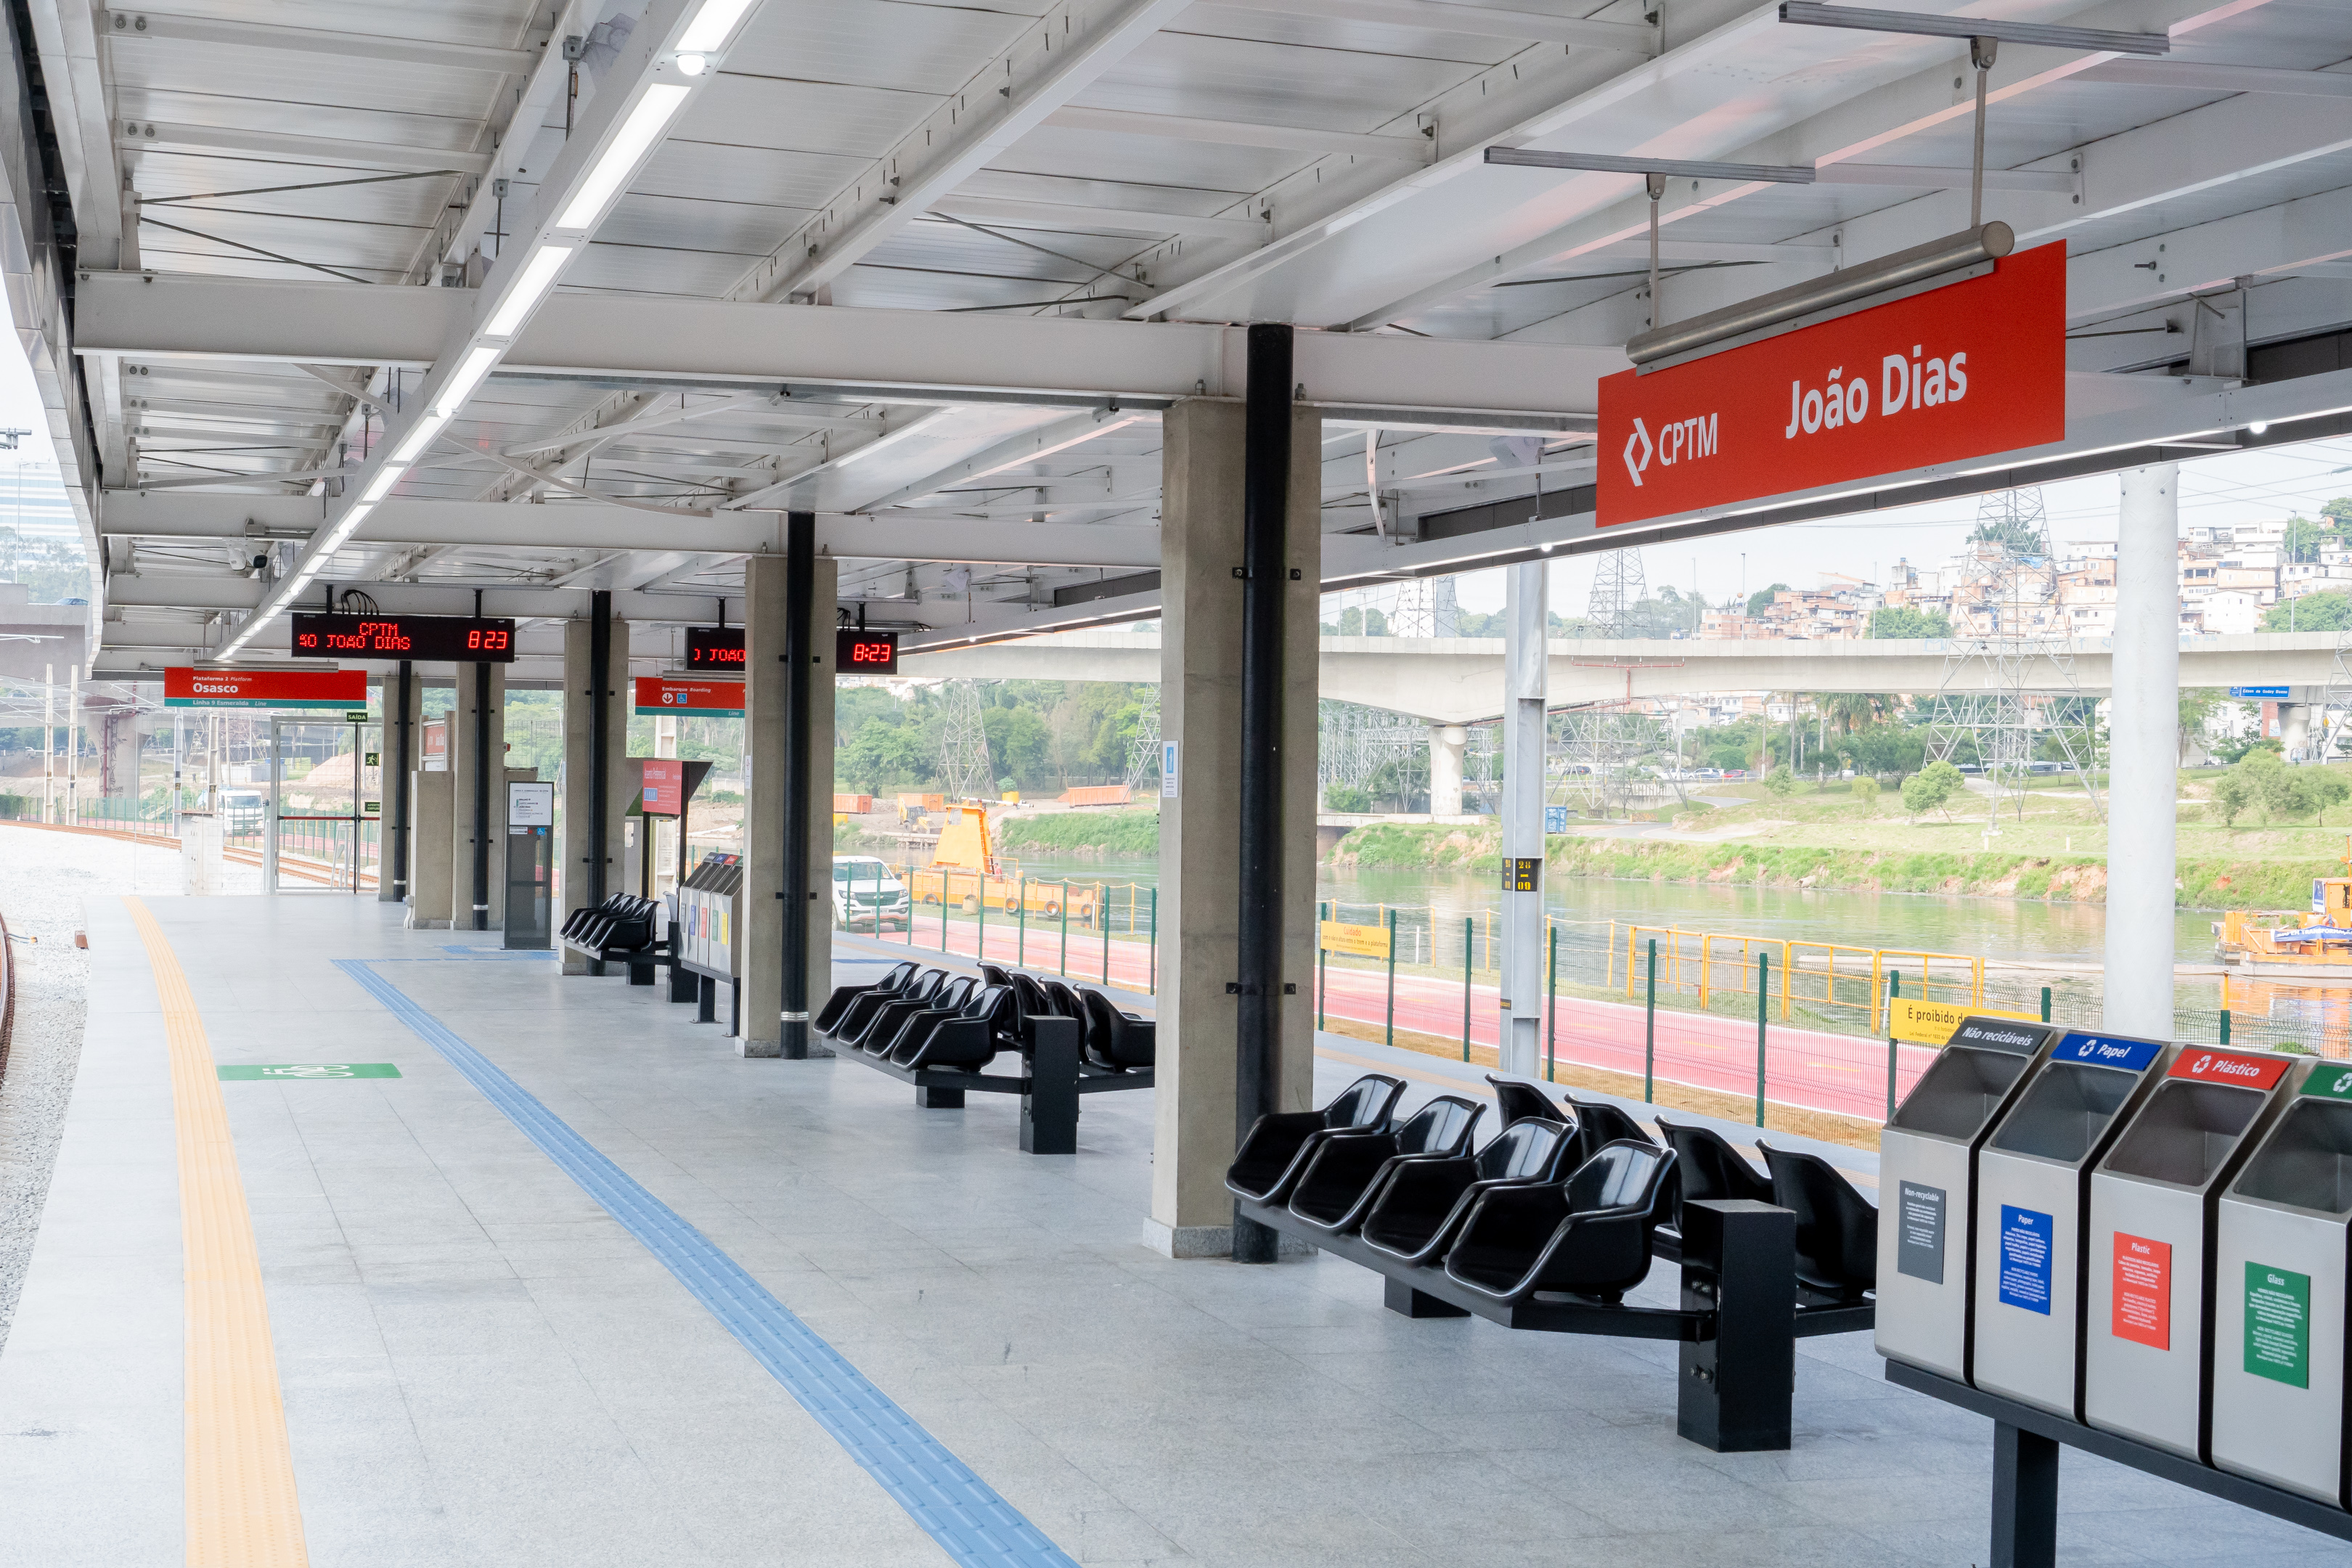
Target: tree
(1929,788)
(2017,538)
(2326,789)
(1866,790)
(1852,711)
(2301,538)
(1761,600)
(1780,781)
(2328,612)
(2232,794)
(1902,621)
(2197,706)
(1345,797)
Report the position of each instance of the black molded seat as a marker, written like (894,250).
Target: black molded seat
(1278,1149)
(577,921)
(895,1022)
(1706,1168)
(995,973)
(1029,1001)
(829,1017)
(855,1017)
(1588,1235)
(1334,1191)
(1837,1228)
(1116,1040)
(867,1018)
(1599,1125)
(1523,1102)
(968,1038)
(1414,1211)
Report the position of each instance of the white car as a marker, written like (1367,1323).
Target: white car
(866,893)
(242,810)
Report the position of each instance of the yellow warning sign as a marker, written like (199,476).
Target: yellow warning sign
(1364,942)
(1931,1023)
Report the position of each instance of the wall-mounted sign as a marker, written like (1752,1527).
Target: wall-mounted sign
(865,653)
(1522,874)
(2261,693)
(1950,373)
(531,805)
(464,639)
(665,787)
(714,647)
(1921,1023)
(660,694)
(192,688)
(1364,942)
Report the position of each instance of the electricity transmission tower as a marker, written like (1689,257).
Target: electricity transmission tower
(1425,607)
(1143,750)
(964,770)
(1355,742)
(2010,672)
(1618,589)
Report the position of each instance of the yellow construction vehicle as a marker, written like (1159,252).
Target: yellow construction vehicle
(965,872)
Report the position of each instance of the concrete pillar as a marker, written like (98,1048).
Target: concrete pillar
(2143,754)
(574,855)
(432,886)
(1445,744)
(1200,713)
(760,1030)
(402,750)
(463,828)
(1525,666)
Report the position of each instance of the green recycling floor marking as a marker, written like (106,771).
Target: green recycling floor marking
(312,1069)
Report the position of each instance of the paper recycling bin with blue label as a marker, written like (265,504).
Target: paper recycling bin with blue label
(2034,1196)
(1926,1177)
(2279,1261)
(2154,1199)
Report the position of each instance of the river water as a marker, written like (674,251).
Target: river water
(2028,945)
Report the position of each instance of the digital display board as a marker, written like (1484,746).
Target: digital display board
(714,647)
(865,653)
(463,640)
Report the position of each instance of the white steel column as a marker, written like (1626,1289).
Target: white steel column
(1524,613)
(49,742)
(2143,753)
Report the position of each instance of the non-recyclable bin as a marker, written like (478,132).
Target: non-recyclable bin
(2279,1261)
(2153,1205)
(1926,1176)
(2034,1196)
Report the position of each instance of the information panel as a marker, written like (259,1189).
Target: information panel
(463,640)
(660,694)
(187,686)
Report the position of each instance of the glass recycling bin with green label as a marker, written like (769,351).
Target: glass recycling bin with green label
(2279,1261)
(2154,1205)
(1927,1175)
(2033,1215)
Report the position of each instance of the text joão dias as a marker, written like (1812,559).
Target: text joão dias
(1951,373)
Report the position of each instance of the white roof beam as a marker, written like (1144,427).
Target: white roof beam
(175,136)
(650,419)
(1027,447)
(1234,133)
(135,26)
(2309,237)
(1479,21)
(1075,219)
(550,78)
(2194,77)
(1054,58)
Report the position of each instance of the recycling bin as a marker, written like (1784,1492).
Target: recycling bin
(1927,1175)
(2032,1218)
(2154,1199)
(2279,1261)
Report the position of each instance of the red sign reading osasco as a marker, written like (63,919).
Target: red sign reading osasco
(1952,374)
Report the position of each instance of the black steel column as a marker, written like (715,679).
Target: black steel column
(401,761)
(481,797)
(2024,1499)
(800,639)
(600,747)
(1265,560)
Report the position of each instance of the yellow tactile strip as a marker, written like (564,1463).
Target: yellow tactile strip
(242,1508)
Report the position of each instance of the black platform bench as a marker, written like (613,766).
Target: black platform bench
(1055,1074)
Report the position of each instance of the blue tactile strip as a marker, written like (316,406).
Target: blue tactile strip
(959,1510)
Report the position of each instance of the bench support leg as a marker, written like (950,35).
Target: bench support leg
(641,974)
(931,1099)
(1399,1297)
(1737,1388)
(1049,1111)
(2024,1499)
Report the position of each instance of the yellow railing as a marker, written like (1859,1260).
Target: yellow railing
(1820,974)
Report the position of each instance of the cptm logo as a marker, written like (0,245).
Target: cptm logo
(1683,440)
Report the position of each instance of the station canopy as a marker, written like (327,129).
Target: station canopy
(553,297)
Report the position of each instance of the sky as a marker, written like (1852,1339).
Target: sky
(2227,488)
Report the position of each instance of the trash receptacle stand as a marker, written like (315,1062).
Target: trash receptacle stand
(1049,1111)
(1739,1260)
(2024,1499)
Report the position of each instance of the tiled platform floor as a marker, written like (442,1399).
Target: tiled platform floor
(480,1366)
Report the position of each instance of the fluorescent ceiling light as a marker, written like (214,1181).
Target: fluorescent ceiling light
(712,24)
(539,275)
(420,436)
(345,526)
(385,478)
(467,376)
(637,135)
(2105,39)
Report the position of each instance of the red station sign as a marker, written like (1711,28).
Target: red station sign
(187,687)
(1951,373)
(665,787)
(660,694)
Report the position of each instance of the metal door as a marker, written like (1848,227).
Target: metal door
(325,806)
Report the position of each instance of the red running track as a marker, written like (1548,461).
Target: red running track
(1842,1074)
